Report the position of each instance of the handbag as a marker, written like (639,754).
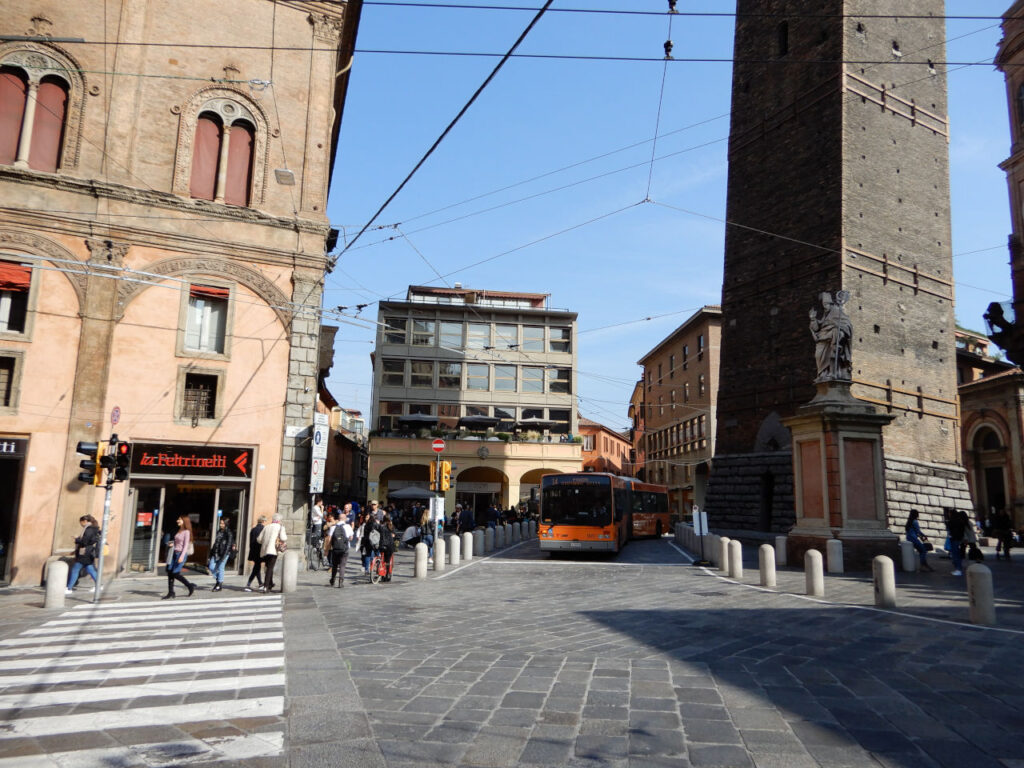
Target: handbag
(191,549)
(280,545)
(928,546)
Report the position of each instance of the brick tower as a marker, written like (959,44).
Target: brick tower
(838,179)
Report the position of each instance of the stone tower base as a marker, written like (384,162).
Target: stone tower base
(751,492)
(926,487)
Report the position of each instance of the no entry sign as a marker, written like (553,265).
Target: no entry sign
(437,445)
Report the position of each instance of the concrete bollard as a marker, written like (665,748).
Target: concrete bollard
(780,551)
(499,537)
(766,564)
(454,549)
(290,570)
(467,546)
(56,583)
(735,560)
(884,572)
(420,563)
(981,595)
(533,529)
(908,557)
(478,542)
(488,540)
(712,547)
(814,577)
(439,554)
(508,534)
(834,553)
(723,553)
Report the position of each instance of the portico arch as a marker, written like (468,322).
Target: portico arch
(402,476)
(480,486)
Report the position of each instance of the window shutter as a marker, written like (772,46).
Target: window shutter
(205,154)
(239,179)
(48,127)
(192,325)
(13,89)
(217,324)
(208,292)
(14,277)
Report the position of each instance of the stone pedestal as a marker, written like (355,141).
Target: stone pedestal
(839,482)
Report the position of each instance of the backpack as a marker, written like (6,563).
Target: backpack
(339,541)
(387,538)
(374,537)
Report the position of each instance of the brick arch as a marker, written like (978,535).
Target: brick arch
(993,421)
(60,257)
(230,270)
(217,98)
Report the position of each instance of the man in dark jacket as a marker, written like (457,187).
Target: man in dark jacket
(220,553)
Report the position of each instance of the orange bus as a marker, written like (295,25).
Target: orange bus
(598,512)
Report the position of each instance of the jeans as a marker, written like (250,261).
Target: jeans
(922,550)
(76,568)
(429,541)
(217,568)
(955,554)
(367,557)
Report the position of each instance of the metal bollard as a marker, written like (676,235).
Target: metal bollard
(488,540)
(780,551)
(766,564)
(478,542)
(467,546)
(814,578)
(834,552)
(420,564)
(884,572)
(517,533)
(735,560)
(454,549)
(499,537)
(56,583)
(723,554)
(290,570)
(908,557)
(981,595)
(439,554)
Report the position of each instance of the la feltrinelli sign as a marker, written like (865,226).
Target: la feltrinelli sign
(196,460)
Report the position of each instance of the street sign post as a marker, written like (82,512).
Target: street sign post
(437,445)
(318,457)
(115,416)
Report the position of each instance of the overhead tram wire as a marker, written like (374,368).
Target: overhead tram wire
(451,125)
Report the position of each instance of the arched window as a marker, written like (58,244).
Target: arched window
(222,153)
(987,440)
(33,111)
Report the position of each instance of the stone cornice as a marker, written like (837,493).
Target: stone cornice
(96,188)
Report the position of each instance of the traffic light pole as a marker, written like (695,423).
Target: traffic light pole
(437,489)
(103,534)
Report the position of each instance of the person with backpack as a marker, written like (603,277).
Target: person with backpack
(370,541)
(254,553)
(339,537)
(86,551)
(387,547)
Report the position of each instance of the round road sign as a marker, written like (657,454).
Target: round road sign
(437,445)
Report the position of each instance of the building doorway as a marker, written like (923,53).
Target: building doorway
(12,460)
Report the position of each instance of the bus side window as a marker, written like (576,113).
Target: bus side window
(621,502)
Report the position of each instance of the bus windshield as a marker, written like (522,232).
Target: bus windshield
(578,504)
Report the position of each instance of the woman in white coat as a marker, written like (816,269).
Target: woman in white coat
(272,542)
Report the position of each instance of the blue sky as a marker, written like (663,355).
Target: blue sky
(541,186)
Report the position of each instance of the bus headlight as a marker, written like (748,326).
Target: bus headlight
(551,531)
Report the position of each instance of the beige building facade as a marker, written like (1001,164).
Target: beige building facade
(491,372)
(677,399)
(162,255)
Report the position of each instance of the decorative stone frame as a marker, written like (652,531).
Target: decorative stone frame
(180,350)
(39,249)
(18,355)
(179,396)
(230,106)
(38,61)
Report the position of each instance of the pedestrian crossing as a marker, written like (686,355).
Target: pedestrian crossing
(147,685)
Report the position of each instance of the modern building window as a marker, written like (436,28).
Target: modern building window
(700,385)
(560,339)
(533,379)
(671,366)
(559,380)
(700,347)
(505,378)
(450,335)
(686,392)
(686,354)
(421,374)
(33,114)
(476,376)
(661,405)
(206,324)
(673,398)
(478,335)
(15,281)
(448,415)
(395,329)
(506,418)
(533,338)
(389,411)
(392,373)
(423,333)
(449,375)
(560,418)
(506,336)
(421,409)
(9,379)
(588,442)
(477,410)
(533,413)
(199,398)
(659,373)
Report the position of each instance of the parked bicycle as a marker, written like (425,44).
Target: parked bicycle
(315,558)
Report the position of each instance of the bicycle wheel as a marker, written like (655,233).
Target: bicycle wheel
(319,560)
(375,571)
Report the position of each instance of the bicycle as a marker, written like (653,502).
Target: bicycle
(381,568)
(315,559)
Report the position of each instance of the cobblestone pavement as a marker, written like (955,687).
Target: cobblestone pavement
(521,659)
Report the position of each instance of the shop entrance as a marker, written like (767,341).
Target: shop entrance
(11,464)
(158,507)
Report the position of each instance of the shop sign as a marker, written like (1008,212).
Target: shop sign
(471,487)
(195,460)
(13,447)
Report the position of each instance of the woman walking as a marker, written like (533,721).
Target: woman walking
(254,553)
(182,547)
(918,539)
(86,550)
(220,553)
(272,541)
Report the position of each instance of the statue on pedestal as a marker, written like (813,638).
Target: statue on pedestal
(833,333)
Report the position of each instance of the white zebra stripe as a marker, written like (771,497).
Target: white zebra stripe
(120,658)
(163,605)
(180,621)
(100,675)
(25,649)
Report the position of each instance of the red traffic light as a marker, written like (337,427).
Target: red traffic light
(124,449)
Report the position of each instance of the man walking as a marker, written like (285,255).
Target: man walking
(340,539)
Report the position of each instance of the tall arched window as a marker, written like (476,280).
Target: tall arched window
(33,112)
(222,154)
